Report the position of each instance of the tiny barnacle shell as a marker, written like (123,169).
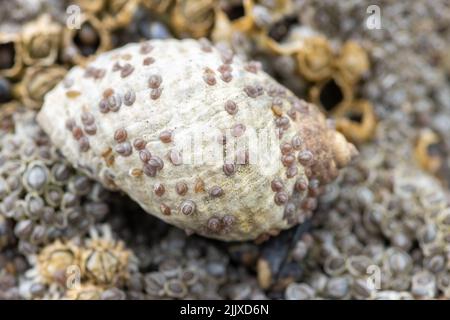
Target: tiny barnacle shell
(181,83)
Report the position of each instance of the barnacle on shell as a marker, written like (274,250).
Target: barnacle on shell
(228,207)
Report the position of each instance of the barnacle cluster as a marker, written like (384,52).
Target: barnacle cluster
(39,191)
(377,229)
(399,205)
(80,268)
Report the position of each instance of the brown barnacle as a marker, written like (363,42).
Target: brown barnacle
(37,81)
(226,76)
(135,172)
(282,122)
(83,144)
(41,40)
(114,102)
(165,209)
(352,62)
(281,198)
(286,148)
(159,189)
(209,77)
(228,221)
(253,66)
(11,62)
(77,132)
(126,70)
(155,93)
(90,129)
(253,91)
(288,159)
(87,118)
(296,142)
(426,140)
(120,135)
(292,171)
(72,94)
(148,61)
(357,122)
(139,144)
(191,18)
(103,106)
(124,149)
(92,37)
(108,157)
(315,59)
(156,162)
(145,155)
(154,81)
(216,192)
(305,157)
(277,110)
(199,185)
(231,107)
(129,98)
(149,170)
(181,188)
(277,185)
(229,169)
(238,130)
(225,68)
(213,224)
(175,157)
(165,136)
(205,45)
(187,207)
(145,48)
(292,113)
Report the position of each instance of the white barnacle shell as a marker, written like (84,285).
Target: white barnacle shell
(155,121)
